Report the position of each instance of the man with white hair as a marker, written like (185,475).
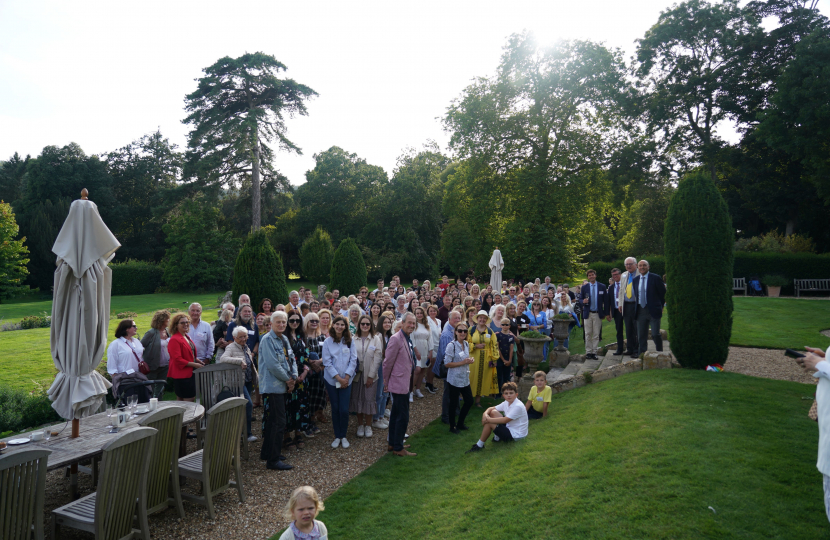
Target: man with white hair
(200,333)
(294,301)
(629,307)
(546,285)
(398,365)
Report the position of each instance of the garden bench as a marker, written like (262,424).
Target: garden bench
(811,285)
(739,284)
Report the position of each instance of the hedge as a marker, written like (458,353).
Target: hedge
(790,265)
(20,410)
(135,277)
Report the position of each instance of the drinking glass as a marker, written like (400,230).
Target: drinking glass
(109,410)
(132,400)
(47,434)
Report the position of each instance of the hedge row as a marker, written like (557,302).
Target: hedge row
(790,265)
(135,277)
(20,410)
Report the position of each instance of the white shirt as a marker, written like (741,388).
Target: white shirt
(435,329)
(823,401)
(203,339)
(120,357)
(456,352)
(549,315)
(165,355)
(422,341)
(518,415)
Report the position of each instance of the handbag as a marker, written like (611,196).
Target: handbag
(813,414)
(142,365)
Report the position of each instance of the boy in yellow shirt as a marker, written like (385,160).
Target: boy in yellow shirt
(539,397)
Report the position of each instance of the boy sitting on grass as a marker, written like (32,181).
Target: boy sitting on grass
(507,421)
(539,397)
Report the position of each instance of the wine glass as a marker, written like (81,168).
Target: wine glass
(132,400)
(109,410)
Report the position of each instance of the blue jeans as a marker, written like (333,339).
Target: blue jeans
(249,407)
(339,398)
(381,396)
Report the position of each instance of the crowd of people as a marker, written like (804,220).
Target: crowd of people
(370,354)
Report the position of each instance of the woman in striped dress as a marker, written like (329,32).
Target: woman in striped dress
(316,388)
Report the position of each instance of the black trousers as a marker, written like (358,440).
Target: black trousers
(644,319)
(273,427)
(398,420)
(467,394)
(618,322)
(445,403)
(630,319)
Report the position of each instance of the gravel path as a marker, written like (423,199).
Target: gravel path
(766,363)
(267,492)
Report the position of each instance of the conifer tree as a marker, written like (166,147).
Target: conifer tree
(258,271)
(348,270)
(316,254)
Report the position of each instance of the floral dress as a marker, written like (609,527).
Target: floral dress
(297,410)
(316,387)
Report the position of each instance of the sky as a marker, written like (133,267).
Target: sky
(103,74)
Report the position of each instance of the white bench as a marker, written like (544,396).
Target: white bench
(739,284)
(811,285)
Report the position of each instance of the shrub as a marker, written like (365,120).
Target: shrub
(20,410)
(126,315)
(699,241)
(775,242)
(135,277)
(36,321)
(10,327)
(258,271)
(348,271)
(775,281)
(531,334)
(316,254)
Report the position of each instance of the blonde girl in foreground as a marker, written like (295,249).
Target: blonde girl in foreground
(302,508)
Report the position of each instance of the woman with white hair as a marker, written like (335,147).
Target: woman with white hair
(354,315)
(496,314)
(239,354)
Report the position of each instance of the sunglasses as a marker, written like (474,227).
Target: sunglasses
(134,326)
(460,331)
(365,324)
(184,323)
(294,321)
(505,325)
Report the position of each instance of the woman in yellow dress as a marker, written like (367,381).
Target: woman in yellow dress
(484,349)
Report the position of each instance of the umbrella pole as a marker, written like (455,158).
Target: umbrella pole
(73,469)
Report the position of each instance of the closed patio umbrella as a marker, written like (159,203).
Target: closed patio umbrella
(80,311)
(496,266)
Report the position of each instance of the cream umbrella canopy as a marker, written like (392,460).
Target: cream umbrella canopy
(496,266)
(80,310)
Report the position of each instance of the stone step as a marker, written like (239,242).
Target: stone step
(589,365)
(569,371)
(610,360)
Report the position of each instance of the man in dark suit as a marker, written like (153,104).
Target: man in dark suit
(650,294)
(613,308)
(593,311)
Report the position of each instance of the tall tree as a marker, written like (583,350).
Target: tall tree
(141,172)
(13,254)
(693,77)
(238,112)
(11,177)
(547,115)
(316,255)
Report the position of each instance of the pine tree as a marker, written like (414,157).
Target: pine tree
(698,245)
(13,254)
(316,254)
(258,271)
(348,270)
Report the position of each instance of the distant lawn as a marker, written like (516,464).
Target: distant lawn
(640,456)
(780,323)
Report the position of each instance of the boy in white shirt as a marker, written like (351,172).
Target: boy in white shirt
(507,421)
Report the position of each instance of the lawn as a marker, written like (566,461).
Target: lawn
(640,456)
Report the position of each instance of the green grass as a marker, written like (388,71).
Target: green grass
(780,323)
(640,456)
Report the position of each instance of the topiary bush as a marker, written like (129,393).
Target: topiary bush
(316,255)
(699,240)
(348,270)
(258,271)
(135,277)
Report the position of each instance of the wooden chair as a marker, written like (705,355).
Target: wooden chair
(22,493)
(163,472)
(109,512)
(218,376)
(212,465)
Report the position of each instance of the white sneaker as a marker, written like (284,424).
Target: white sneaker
(387,413)
(368,431)
(411,398)
(253,438)
(379,424)
(418,394)
(335,443)
(345,442)
(360,431)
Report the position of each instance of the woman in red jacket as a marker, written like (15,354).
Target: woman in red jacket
(183,361)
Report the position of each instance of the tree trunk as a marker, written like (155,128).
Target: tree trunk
(255,192)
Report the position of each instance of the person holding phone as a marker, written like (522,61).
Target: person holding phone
(815,359)
(457,359)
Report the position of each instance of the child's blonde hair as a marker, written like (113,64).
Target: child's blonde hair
(539,374)
(302,492)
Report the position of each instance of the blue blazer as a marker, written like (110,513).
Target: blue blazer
(602,305)
(655,293)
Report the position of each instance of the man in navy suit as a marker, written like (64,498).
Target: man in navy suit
(650,294)
(613,308)
(593,311)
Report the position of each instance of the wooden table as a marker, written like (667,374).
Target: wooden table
(94,434)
